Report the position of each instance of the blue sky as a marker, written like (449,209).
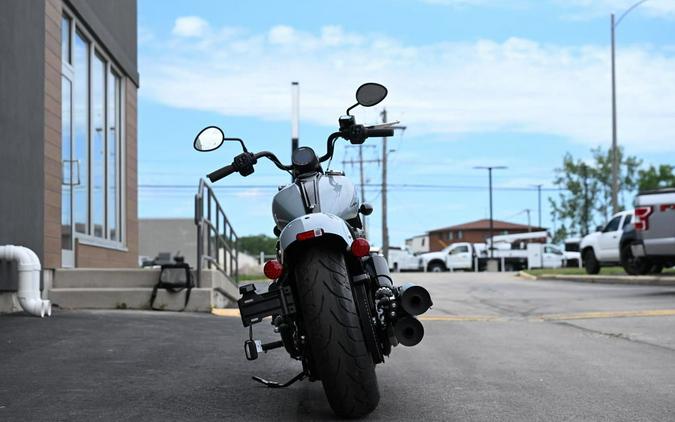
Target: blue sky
(477,82)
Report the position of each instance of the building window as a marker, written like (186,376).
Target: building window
(96,143)
(450,236)
(65,39)
(460,235)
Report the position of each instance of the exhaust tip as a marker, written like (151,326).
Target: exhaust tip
(409,331)
(414,299)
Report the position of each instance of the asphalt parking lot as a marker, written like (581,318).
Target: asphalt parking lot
(496,348)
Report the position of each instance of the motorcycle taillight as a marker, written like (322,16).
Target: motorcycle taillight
(273,269)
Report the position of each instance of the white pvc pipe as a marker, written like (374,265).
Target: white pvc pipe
(29,279)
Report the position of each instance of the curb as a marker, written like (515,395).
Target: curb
(644,280)
(526,276)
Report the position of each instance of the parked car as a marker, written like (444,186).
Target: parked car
(648,245)
(457,256)
(402,259)
(601,249)
(465,256)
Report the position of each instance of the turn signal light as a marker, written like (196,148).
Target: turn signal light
(360,247)
(273,269)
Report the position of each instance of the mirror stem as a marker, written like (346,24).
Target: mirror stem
(351,108)
(238,140)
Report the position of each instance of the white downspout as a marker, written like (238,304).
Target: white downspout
(29,279)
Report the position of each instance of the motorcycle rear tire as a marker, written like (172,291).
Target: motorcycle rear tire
(336,342)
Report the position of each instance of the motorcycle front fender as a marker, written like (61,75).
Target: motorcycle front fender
(329,225)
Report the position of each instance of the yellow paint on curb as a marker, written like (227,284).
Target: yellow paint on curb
(608,314)
(226,312)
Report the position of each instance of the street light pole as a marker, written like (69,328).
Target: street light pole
(615,152)
(489,169)
(295,119)
(615,164)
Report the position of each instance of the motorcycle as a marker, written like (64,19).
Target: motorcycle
(332,301)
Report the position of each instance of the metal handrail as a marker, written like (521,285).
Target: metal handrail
(214,230)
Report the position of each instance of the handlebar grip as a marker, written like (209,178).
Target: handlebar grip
(379,133)
(221,173)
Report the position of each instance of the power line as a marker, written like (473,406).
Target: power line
(367,185)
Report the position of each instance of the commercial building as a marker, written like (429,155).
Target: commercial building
(68,119)
(474,232)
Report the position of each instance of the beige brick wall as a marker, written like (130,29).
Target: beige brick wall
(85,255)
(52,135)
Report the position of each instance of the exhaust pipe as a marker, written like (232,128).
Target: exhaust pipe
(408,331)
(414,299)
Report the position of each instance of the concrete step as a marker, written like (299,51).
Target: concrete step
(93,278)
(201,299)
(105,277)
(131,288)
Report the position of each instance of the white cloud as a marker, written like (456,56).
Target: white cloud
(586,9)
(517,85)
(190,26)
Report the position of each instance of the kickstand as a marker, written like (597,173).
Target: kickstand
(274,384)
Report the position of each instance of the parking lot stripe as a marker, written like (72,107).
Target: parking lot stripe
(608,314)
(458,318)
(234,312)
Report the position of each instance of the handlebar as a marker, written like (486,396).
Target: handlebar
(379,133)
(221,173)
(243,163)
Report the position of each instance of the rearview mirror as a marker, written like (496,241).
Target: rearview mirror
(599,228)
(209,138)
(370,94)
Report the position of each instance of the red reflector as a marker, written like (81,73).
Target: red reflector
(360,247)
(273,269)
(309,234)
(642,218)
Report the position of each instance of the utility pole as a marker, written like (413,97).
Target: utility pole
(529,225)
(295,115)
(385,227)
(489,169)
(360,162)
(538,203)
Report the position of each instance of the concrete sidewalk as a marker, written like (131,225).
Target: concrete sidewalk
(643,280)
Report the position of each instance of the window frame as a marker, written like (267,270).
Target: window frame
(68,70)
(618,219)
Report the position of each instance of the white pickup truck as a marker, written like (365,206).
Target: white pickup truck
(465,256)
(601,249)
(402,259)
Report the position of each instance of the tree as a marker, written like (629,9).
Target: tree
(253,245)
(586,191)
(656,177)
(603,172)
(578,186)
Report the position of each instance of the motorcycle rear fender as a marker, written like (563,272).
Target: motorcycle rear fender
(332,227)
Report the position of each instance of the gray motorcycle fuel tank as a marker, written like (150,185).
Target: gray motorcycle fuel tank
(330,194)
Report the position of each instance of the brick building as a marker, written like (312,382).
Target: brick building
(68,166)
(474,232)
